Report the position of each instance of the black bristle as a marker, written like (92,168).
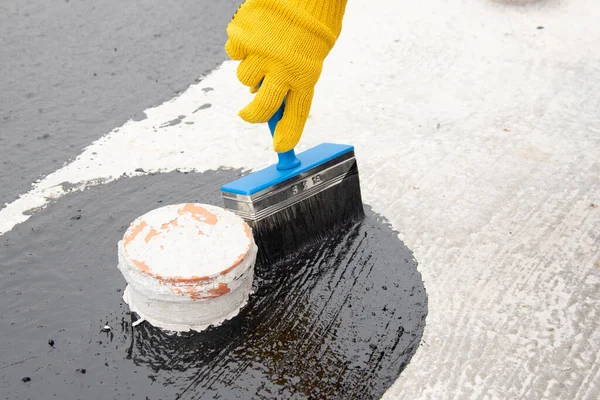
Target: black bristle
(282,234)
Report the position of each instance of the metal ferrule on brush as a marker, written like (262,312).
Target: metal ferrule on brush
(273,199)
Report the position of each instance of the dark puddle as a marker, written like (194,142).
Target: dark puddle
(339,320)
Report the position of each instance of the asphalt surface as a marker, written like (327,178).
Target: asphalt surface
(73,70)
(339,320)
(476,130)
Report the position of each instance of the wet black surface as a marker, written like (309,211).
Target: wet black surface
(341,319)
(72,70)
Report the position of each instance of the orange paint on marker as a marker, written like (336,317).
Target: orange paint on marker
(235,263)
(136,231)
(247,231)
(167,224)
(199,213)
(241,256)
(153,232)
(219,291)
(179,279)
(194,293)
(142,266)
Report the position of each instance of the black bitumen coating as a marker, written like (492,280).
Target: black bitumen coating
(71,71)
(341,320)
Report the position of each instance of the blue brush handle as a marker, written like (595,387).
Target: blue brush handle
(287,160)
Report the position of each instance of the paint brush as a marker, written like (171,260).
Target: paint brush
(299,200)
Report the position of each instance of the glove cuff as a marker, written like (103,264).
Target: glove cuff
(322,17)
(328,12)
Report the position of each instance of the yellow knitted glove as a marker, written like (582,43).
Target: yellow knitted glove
(285,43)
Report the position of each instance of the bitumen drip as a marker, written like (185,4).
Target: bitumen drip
(339,319)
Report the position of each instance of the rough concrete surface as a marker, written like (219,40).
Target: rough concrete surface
(476,129)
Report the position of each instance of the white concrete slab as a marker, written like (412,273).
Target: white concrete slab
(478,137)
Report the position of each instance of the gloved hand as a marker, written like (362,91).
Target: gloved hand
(285,43)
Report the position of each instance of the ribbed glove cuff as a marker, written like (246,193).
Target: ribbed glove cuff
(304,13)
(329,12)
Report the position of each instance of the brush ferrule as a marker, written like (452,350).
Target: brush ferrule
(273,199)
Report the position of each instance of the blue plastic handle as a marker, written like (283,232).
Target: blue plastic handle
(287,160)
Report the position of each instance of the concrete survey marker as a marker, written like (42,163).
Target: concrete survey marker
(188,266)
(340,319)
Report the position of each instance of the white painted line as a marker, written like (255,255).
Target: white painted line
(204,139)
(478,137)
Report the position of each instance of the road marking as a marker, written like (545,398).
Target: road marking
(202,139)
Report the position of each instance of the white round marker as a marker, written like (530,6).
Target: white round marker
(187,266)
